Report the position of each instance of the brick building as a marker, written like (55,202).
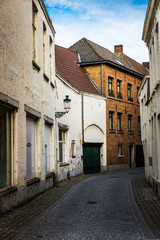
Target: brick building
(118,78)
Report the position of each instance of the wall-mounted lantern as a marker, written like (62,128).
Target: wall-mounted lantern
(67,103)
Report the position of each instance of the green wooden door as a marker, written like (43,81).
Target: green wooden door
(91,158)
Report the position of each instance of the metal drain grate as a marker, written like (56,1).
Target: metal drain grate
(91,202)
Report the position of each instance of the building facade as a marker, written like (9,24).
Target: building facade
(26,102)
(150,96)
(91,143)
(118,78)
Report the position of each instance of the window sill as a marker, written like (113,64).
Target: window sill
(120,156)
(112,131)
(112,97)
(45,77)
(63,164)
(120,99)
(120,132)
(7,190)
(49,175)
(130,133)
(32,181)
(35,65)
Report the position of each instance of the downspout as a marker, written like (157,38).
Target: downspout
(82,119)
(102,79)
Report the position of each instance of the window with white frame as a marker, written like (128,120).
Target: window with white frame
(110,87)
(47,148)
(120,153)
(5,147)
(129,88)
(119,95)
(62,145)
(110,120)
(119,121)
(30,151)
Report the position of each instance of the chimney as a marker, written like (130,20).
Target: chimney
(146,64)
(118,50)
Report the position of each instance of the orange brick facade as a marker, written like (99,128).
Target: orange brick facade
(128,140)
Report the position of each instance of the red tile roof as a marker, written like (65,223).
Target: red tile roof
(66,66)
(135,65)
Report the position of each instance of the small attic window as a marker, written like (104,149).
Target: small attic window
(79,57)
(118,61)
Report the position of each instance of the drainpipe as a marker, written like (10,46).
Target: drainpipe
(102,79)
(82,119)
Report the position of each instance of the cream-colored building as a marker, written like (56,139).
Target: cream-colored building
(150,96)
(27,100)
(84,127)
(38,146)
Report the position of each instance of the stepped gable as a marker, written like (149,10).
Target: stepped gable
(67,67)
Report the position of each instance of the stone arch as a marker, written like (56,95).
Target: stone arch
(93,134)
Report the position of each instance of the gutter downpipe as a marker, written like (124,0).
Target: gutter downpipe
(82,119)
(102,79)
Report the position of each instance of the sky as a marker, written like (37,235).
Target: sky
(105,22)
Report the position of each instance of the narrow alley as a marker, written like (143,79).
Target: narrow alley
(103,206)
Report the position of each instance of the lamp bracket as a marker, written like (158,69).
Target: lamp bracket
(60,114)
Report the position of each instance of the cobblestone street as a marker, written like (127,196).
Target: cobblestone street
(117,205)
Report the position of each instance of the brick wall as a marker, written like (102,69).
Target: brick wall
(122,106)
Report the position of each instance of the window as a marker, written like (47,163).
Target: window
(62,145)
(110,120)
(44,48)
(47,148)
(130,123)
(119,89)
(139,124)
(34,26)
(110,91)
(129,93)
(119,121)
(5,147)
(73,149)
(137,95)
(30,141)
(51,57)
(120,150)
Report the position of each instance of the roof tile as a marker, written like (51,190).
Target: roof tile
(67,67)
(91,51)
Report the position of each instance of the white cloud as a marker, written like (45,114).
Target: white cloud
(63,3)
(105,22)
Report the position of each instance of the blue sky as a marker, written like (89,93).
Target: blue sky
(105,22)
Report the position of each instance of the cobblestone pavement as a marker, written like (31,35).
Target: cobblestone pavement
(99,207)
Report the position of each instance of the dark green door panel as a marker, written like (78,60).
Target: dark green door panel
(91,158)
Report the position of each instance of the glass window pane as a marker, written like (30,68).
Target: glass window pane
(47,148)
(30,141)
(5,147)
